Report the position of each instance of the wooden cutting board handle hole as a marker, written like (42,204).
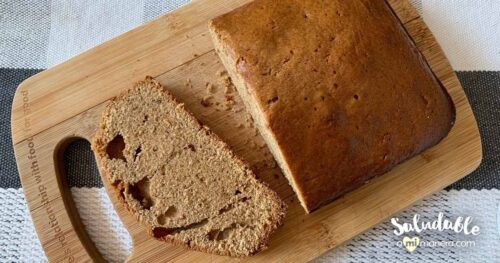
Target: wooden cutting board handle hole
(62,180)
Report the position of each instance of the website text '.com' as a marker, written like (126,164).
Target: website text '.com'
(434,243)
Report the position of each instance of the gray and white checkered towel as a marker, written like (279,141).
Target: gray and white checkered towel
(37,34)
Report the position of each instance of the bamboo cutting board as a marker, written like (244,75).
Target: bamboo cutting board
(63,103)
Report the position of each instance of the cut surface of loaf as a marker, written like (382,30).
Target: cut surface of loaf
(337,88)
(179,179)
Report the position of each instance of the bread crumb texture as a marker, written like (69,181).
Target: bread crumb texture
(179,179)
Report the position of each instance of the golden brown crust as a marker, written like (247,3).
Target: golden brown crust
(339,85)
(98,146)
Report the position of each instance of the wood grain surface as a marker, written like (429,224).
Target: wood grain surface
(65,102)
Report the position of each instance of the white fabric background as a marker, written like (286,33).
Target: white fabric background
(77,26)
(467,31)
(24,34)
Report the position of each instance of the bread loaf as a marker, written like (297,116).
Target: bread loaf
(337,88)
(179,179)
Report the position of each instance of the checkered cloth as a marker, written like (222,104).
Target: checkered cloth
(37,34)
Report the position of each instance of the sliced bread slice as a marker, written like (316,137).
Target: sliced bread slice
(179,179)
